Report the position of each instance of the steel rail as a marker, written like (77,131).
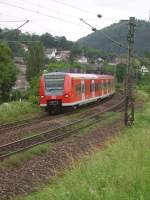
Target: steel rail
(19,123)
(56,135)
(52,139)
(22,123)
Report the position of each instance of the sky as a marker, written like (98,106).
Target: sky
(62,17)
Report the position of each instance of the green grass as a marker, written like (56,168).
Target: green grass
(14,111)
(119,172)
(19,159)
(142,95)
(106,119)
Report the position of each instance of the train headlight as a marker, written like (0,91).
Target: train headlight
(42,97)
(66,95)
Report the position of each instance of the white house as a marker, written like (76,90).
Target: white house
(50,53)
(144,70)
(83,60)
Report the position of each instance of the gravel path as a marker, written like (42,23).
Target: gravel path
(53,122)
(39,169)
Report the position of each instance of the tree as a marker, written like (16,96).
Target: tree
(34,60)
(8,72)
(75,51)
(120,72)
(146,60)
(108,69)
(47,40)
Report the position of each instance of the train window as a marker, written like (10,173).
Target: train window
(100,86)
(78,89)
(105,85)
(54,84)
(72,82)
(83,88)
(96,86)
(110,84)
(92,86)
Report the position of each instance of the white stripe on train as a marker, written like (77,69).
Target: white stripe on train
(81,102)
(87,100)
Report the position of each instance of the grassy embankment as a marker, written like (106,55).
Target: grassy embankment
(14,111)
(119,172)
(19,159)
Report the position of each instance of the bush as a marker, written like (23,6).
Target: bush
(16,110)
(33,99)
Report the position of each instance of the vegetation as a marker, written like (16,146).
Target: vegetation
(7,72)
(146,60)
(120,72)
(143,84)
(34,60)
(62,66)
(19,159)
(118,32)
(9,35)
(21,39)
(14,111)
(119,172)
(58,42)
(143,80)
(91,53)
(32,94)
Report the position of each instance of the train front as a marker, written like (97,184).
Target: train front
(52,91)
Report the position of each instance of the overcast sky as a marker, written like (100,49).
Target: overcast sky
(61,17)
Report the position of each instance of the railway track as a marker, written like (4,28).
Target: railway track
(55,134)
(20,124)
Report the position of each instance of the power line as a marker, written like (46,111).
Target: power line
(49,9)
(21,41)
(13,16)
(13,29)
(74,7)
(41,13)
(11,21)
(27,21)
(58,12)
(108,37)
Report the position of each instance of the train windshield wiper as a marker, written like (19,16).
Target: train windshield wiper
(53,89)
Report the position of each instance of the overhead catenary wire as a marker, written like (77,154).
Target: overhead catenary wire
(41,13)
(108,37)
(11,21)
(27,21)
(24,41)
(12,28)
(74,7)
(47,8)
(50,9)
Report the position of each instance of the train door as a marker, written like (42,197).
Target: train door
(102,88)
(107,86)
(93,88)
(83,89)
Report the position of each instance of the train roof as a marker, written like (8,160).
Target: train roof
(77,75)
(93,76)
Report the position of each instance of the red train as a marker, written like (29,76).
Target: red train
(59,89)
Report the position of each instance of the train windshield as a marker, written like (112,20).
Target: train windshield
(54,84)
